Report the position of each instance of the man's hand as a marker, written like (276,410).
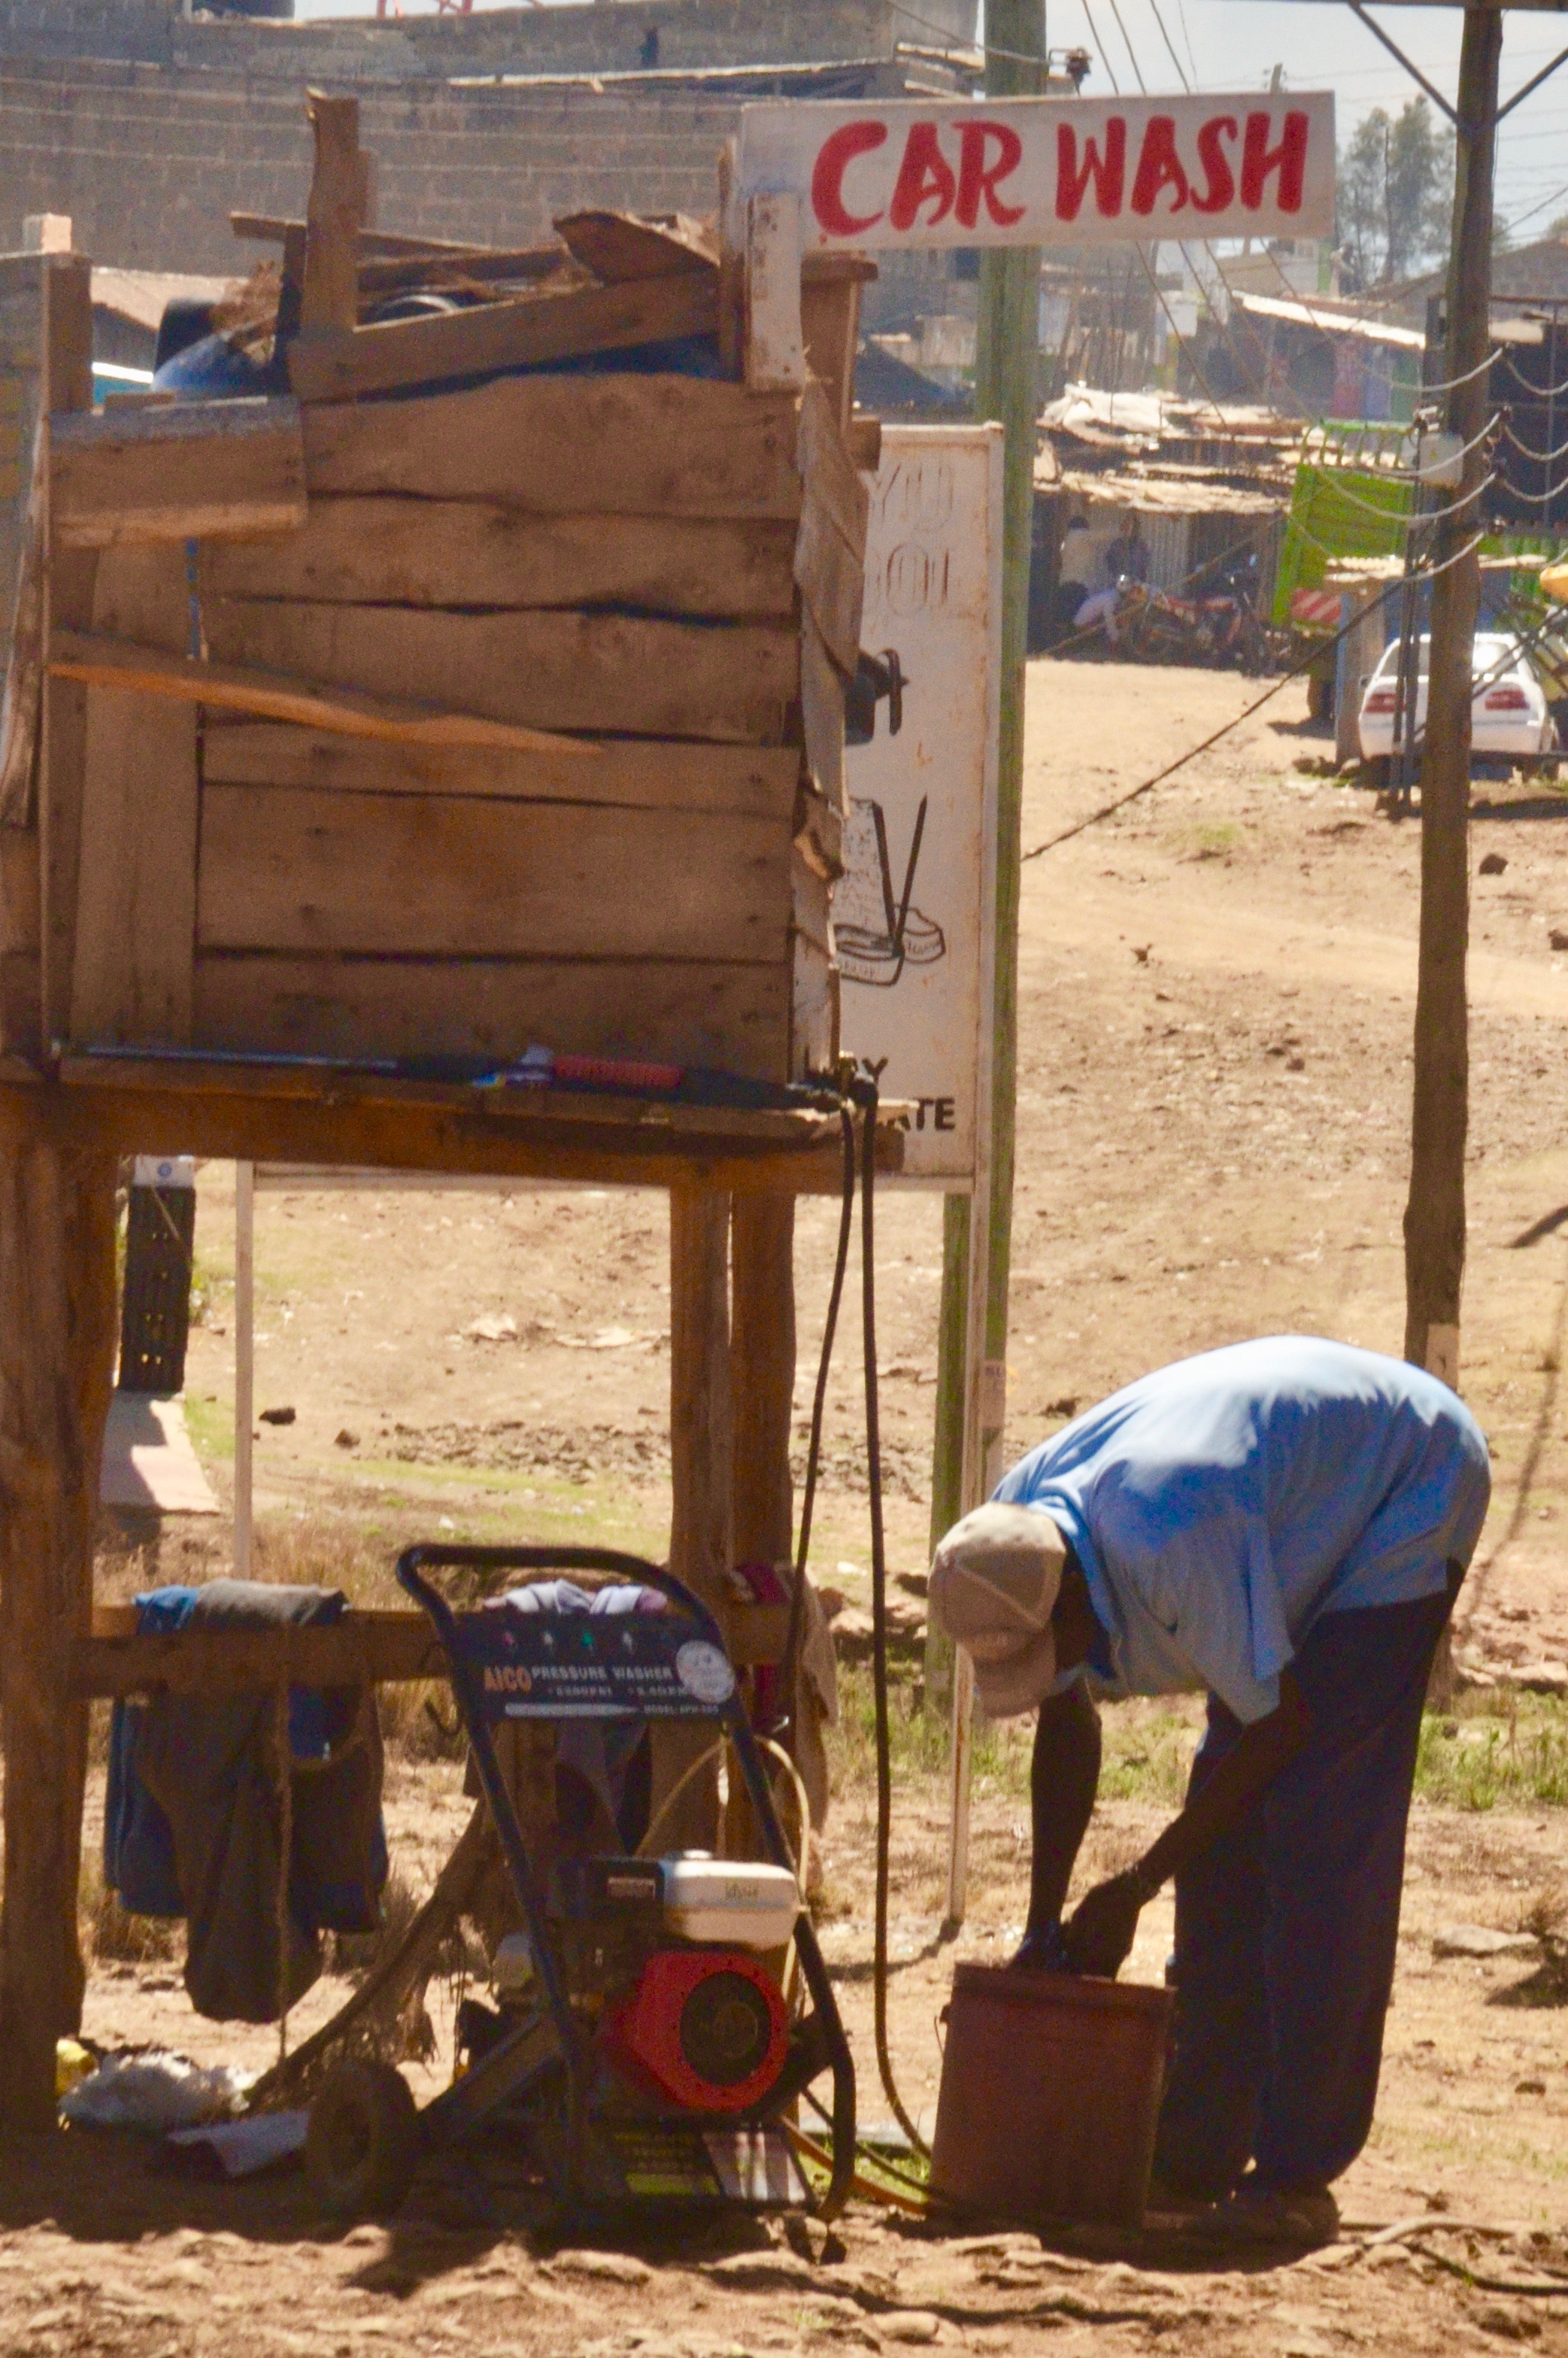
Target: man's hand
(1100,1931)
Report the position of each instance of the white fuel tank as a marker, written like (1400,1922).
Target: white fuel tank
(741,1901)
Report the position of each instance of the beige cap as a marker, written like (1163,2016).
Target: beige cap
(994,1583)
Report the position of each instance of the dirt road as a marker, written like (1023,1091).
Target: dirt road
(1216,998)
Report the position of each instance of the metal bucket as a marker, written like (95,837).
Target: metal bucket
(1050,2095)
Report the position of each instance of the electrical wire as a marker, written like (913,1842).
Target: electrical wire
(1542,457)
(1107,810)
(866,1096)
(789,1666)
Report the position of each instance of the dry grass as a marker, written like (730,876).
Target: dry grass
(110,1934)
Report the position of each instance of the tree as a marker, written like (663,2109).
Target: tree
(1394,196)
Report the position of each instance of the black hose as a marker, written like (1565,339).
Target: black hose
(789,1668)
(865,1093)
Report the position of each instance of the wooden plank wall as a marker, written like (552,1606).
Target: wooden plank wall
(359,899)
(667,567)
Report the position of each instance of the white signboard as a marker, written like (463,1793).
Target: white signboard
(1045,171)
(913,914)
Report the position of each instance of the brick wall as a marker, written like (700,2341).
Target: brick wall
(556,39)
(149,162)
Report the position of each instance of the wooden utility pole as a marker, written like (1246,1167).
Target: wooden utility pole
(1434,1214)
(1007,361)
(57,1349)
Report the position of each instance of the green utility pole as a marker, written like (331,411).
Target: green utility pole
(1007,389)
(1434,1214)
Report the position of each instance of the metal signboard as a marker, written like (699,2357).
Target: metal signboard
(913,914)
(1044,172)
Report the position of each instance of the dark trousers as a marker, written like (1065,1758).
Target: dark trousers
(1286,1928)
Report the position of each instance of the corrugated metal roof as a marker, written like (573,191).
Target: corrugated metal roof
(1328,321)
(1154,496)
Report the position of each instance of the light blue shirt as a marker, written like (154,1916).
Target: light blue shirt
(1217,1507)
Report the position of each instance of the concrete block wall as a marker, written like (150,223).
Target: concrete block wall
(149,162)
(605,36)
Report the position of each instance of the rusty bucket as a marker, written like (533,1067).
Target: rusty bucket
(1050,2094)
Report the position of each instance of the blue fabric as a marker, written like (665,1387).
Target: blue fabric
(138,1841)
(1220,1506)
(1286,1927)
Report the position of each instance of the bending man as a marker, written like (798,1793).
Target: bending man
(1285,1524)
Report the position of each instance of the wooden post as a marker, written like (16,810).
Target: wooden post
(244,1365)
(1006,388)
(1434,1214)
(335,214)
(57,1346)
(762,1376)
(701,1472)
(69,575)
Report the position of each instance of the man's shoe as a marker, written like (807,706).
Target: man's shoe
(1041,1950)
(1299,2219)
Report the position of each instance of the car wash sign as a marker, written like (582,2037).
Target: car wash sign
(1045,171)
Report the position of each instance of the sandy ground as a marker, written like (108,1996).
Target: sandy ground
(1216,997)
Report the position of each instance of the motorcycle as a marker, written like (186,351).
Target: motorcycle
(1218,628)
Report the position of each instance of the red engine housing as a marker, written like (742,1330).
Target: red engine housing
(707,2028)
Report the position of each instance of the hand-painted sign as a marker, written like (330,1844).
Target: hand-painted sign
(912,913)
(1045,171)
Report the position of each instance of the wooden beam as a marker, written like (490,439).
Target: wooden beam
(605,673)
(774,354)
(334,218)
(735,1018)
(188,471)
(127,665)
(325,1115)
(663,446)
(135,933)
(386,1648)
(71,576)
(830,327)
(618,248)
(469,553)
(701,1435)
(762,1383)
(299,870)
(56,1340)
(642,773)
(702,1542)
(527,333)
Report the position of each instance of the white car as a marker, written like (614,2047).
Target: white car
(1509,713)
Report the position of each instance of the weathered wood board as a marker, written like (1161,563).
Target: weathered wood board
(733,1017)
(662,446)
(190,470)
(21,532)
(757,781)
(68,381)
(290,869)
(609,674)
(529,333)
(136,918)
(473,553)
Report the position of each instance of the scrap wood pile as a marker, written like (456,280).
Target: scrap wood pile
(501,699)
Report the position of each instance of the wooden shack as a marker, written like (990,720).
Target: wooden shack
(478,690)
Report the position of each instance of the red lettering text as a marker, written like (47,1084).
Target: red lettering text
(976,180)
(1288,160)
(1108,171)
(835,155)
(924,177)
(1220,187)
(1159,166)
